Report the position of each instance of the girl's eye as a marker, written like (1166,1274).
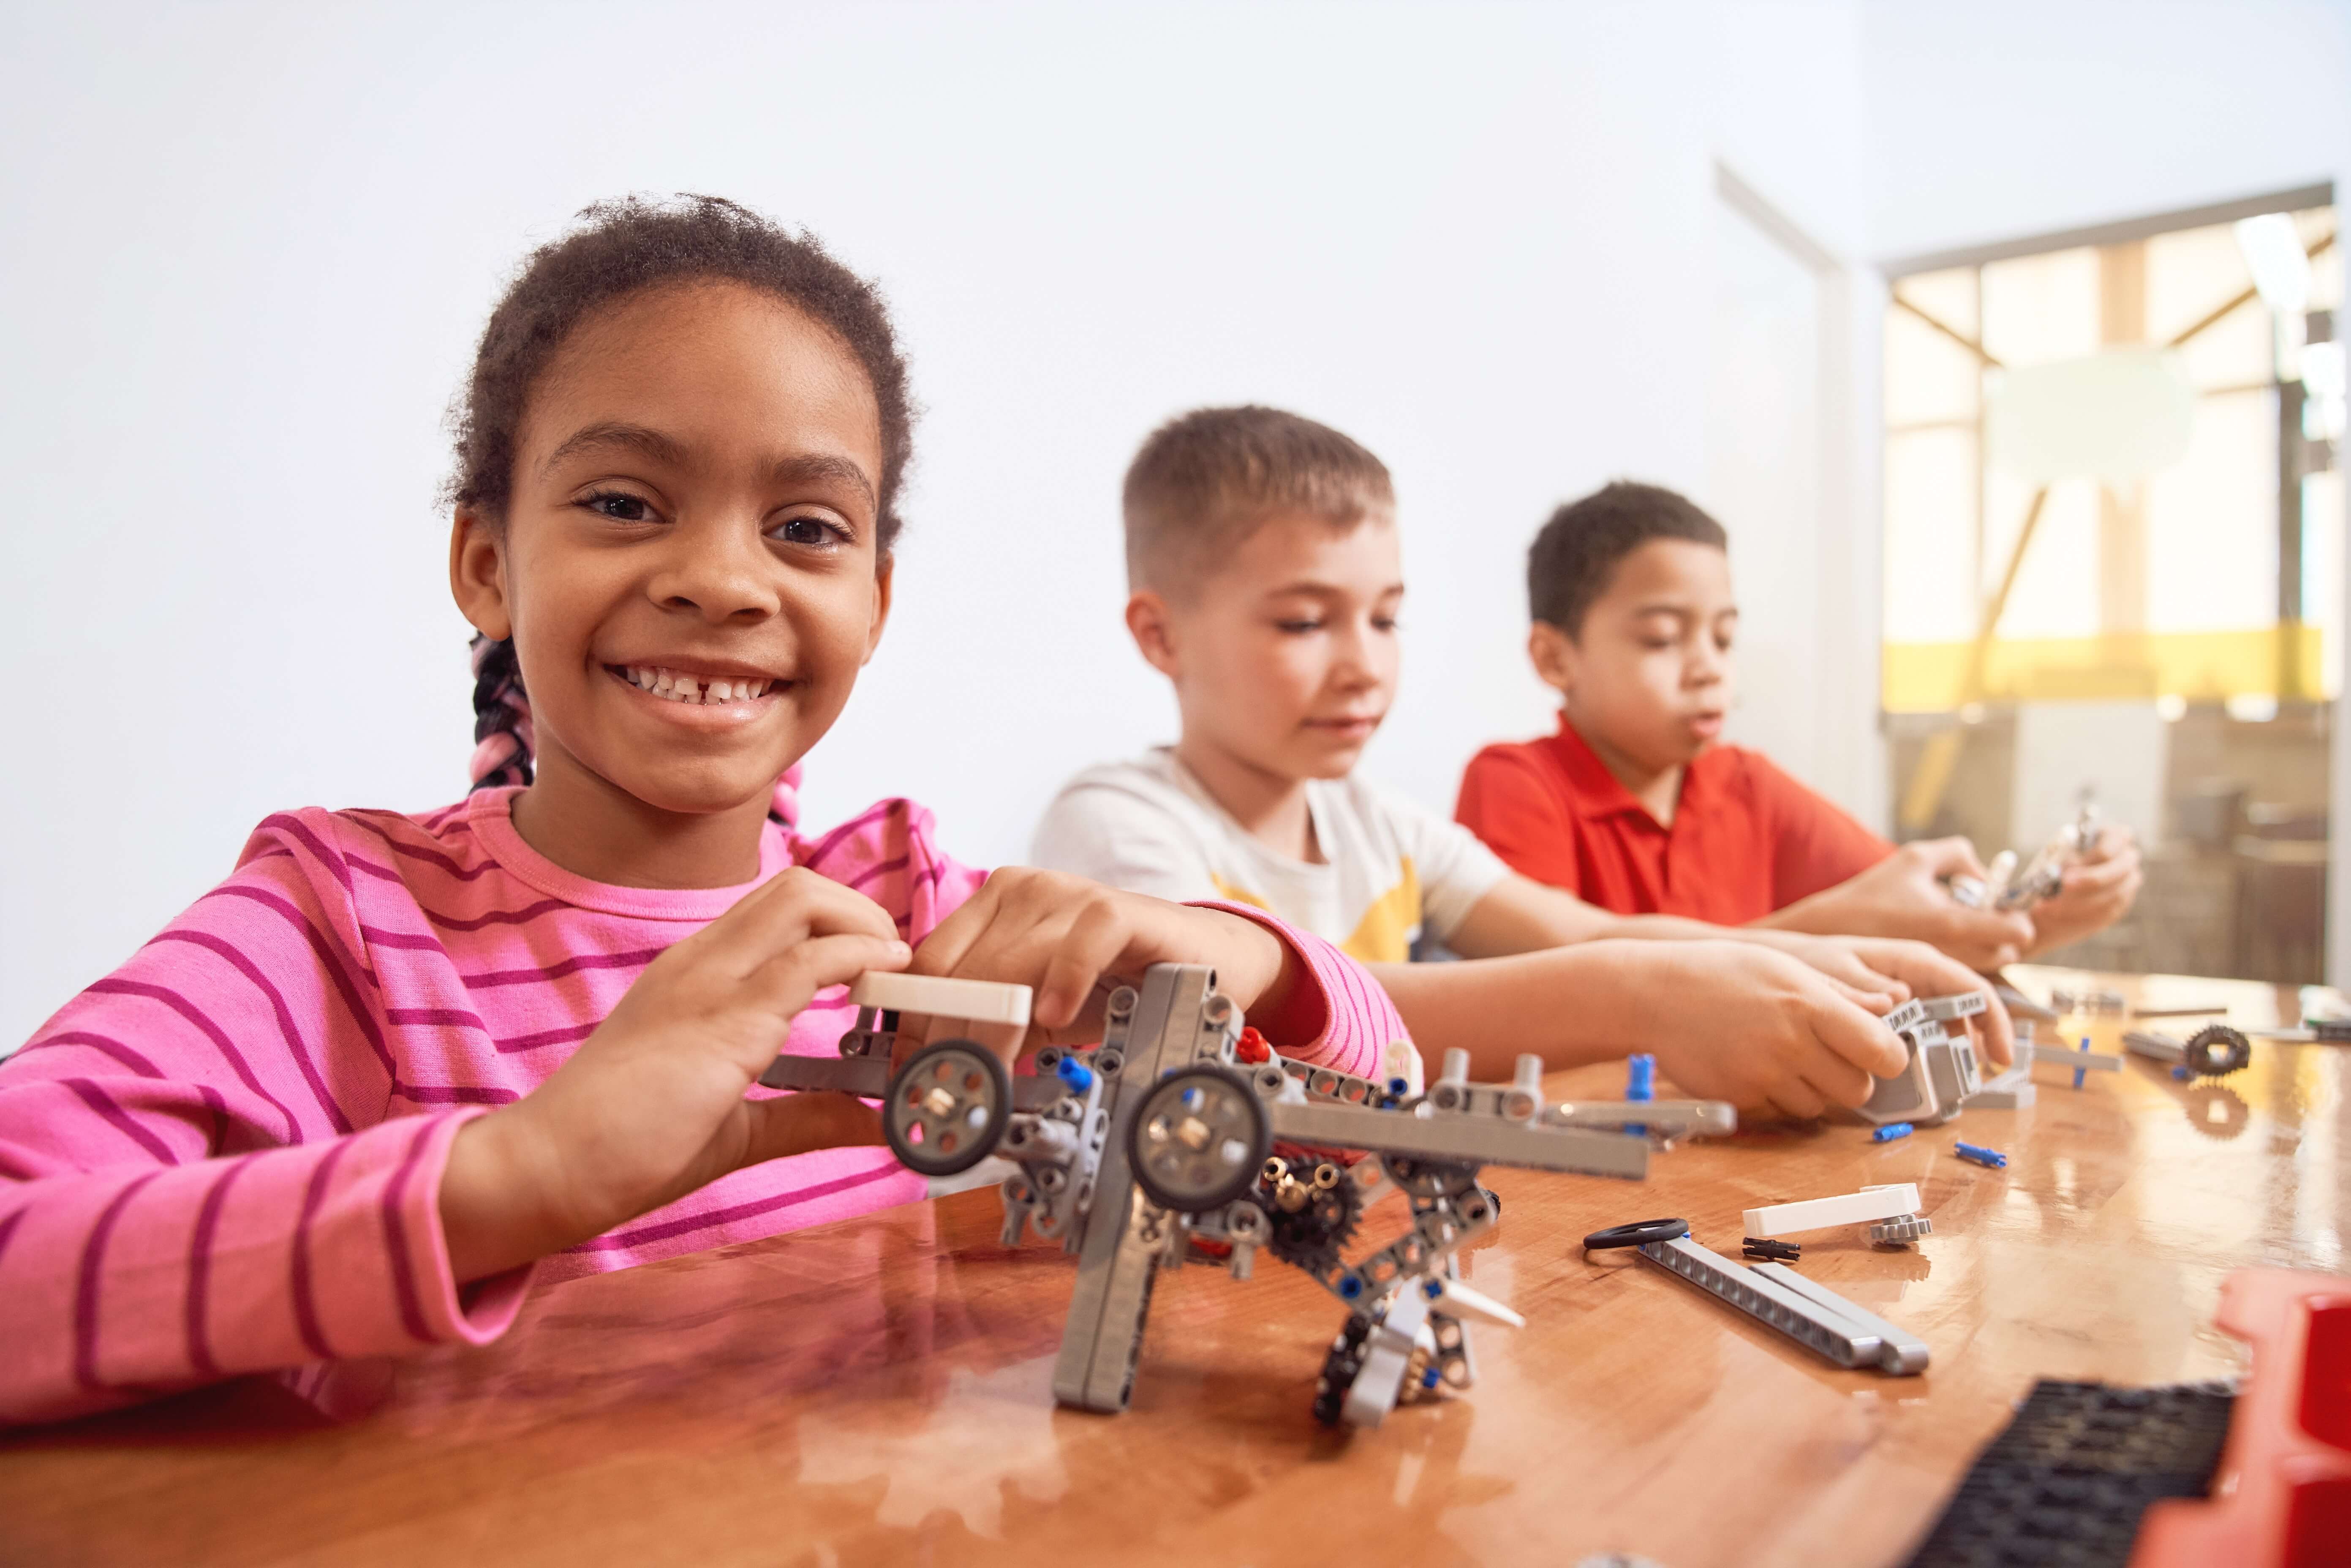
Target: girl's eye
(813,531)
(620,505)
(1297,628)
(1383,623)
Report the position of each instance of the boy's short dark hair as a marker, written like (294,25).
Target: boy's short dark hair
(1205,480)
(1576,553)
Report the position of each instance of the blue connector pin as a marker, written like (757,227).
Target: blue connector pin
(1074,1073)
(1981,1156)
(1640,1083)
(2079,1073)
(1891,1131)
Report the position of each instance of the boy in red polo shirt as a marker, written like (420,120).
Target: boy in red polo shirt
(1632,806)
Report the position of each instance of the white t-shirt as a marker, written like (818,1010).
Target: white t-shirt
(1391,868)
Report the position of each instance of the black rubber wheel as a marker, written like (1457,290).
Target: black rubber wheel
(947,1107)
(1640,1233)
(1199,1139)
(2216,1051)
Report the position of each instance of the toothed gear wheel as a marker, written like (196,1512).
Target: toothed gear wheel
(1340,1368)
(1312,1238)
(2216,1051)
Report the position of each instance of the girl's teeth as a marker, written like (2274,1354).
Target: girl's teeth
(685,689)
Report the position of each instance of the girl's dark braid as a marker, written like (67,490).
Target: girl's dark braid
(501,716)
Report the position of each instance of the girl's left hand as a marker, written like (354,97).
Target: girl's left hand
(1071,939)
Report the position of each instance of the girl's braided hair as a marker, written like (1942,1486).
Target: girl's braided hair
(616,248)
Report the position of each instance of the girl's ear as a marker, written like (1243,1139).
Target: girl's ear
(1555,657)
(1153,629)
(882,580)
(477,576)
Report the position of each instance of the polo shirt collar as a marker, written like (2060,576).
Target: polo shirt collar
(1599,793)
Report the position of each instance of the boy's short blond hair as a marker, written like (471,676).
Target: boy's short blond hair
(1206,480)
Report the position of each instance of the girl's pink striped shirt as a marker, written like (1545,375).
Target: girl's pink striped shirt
(226,1157)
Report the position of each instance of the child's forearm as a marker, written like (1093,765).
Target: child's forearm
(123,1283)
(1569,1006)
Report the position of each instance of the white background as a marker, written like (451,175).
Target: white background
(248,248)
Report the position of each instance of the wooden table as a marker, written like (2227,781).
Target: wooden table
(879,1390)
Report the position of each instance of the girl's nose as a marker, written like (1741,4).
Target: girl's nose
(721,572)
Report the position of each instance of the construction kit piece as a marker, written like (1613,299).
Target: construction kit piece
(1820,1319)
(2071,1477)
(1977,1154)
(1772,1252)
(2213,1051)
(1900,1231)
(1892,1131)
(1157,1144)
(2082,1060)
(2102,1003)
(2006,888)
(1891,1200)
(2010,1088)
(1940,1071)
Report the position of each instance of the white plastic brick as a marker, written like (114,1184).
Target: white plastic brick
(974,1001)
(1824,1213)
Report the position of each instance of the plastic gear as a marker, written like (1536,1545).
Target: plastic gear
(1312,1238)
(2216,1051)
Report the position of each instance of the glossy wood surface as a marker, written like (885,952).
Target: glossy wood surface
(879,1391)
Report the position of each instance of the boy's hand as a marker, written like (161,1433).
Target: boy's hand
(2097,890)
(1072,940)
(1732,1020)
(1881,973)
(1903,895)
(651,1105)
(1924,971)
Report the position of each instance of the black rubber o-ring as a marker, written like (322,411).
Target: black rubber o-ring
(1639,1233)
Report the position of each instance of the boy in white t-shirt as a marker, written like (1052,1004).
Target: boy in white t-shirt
(1265,583)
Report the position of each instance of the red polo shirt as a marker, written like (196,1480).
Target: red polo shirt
(1746,838)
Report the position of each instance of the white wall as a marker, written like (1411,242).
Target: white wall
(249,246)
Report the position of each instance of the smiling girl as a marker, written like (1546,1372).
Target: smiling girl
(359,1098)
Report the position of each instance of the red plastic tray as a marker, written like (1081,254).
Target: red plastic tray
(2282,1498)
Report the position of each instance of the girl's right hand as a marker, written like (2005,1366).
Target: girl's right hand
(651,1106)
(1732,1020)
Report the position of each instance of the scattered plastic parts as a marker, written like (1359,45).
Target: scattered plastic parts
(2216,1051)
(1892,1131)
(1639,1233)
(2288,1457)
(1882,1202)
(2095,1002)
(1778,1298)
(1640,1087)
(1976,1154)
(2213,1051)
(2333,1031)
(2010,1091)
(2070,1476)
(1641,1077)
(1901,1230)
(1772,1252)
